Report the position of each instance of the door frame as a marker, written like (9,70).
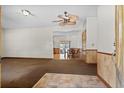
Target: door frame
(119,45)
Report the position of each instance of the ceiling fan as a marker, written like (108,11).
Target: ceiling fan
(67,19)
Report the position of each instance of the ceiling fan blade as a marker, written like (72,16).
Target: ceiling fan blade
(71,23)
(73,18)
(77,17)
(60,16)
(62,23)
(57,21)
(32,14)
(68,23)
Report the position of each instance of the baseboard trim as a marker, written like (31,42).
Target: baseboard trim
(25,58)
(108,86)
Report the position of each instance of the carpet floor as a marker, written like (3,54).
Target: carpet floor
(24,73)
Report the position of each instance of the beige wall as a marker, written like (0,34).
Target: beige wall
(106,68)
(91,56)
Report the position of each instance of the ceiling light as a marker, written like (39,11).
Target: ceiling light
(25,12)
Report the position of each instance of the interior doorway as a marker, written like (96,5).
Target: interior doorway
(64,48)
(69,45)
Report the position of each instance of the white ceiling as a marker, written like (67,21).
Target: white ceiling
(44,15)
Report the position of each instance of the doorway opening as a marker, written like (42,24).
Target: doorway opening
(69,45)
(64,49)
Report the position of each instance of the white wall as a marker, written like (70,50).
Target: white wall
(74,37)
(36,43)
(91,33)
(106,26)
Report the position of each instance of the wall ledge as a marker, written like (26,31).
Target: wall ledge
(104,53)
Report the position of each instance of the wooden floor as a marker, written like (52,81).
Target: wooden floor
(24,73)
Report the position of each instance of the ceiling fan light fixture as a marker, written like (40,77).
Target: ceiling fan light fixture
(66,14)
(67,19)
(25,12)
